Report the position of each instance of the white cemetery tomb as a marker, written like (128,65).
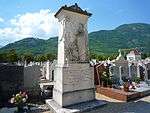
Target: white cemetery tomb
(74,76)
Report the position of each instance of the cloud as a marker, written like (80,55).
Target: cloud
(1,19)
(40,24)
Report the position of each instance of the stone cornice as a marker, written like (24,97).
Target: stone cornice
(74,8)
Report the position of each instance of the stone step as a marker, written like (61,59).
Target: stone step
(76,108)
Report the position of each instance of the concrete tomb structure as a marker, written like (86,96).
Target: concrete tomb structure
(74,76)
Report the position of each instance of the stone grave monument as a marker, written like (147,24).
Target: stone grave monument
(74,87)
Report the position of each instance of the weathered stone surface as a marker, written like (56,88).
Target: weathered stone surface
(31,77)
(74,76)
(77,81)
(73,39)
(78,77)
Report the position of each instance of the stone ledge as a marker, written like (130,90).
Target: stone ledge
(74,90)
(76,108)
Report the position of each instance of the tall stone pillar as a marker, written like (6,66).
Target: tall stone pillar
(74,76)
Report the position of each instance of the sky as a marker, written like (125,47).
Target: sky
(35,18)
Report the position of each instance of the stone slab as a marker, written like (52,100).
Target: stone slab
(74,97)
(77,108)
(117,94)
(142,89)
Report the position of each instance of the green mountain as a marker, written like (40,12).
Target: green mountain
(100,42)
(32,45)
(124,36)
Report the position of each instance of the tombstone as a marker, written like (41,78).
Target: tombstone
(74,76)
(47,75)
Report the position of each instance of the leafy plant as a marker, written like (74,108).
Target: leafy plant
(106,79)
(109,80)
(136,80)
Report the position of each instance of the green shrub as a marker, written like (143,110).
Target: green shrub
(109,81)
(136,80)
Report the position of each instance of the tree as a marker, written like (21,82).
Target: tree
(101,57)
(50,56)
(145,55)
(113,56)
(40,58)
(12,56)
(93,56)
(28,57)
(3,57)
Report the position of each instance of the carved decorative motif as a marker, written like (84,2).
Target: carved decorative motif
(72,51)
(80,29)
(74,38)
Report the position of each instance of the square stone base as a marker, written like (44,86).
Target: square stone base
(77,108)
(74,84)
(73,97)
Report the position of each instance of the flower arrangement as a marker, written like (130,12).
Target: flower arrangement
(19,100)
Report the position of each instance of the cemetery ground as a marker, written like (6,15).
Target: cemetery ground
(141,105)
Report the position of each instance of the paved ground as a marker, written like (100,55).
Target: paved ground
(35,109)
(113,106)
